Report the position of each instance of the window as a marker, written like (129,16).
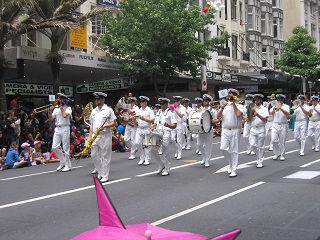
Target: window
(32,39)
(264,49)
(234,46)
(16,41)
(270,24)
(275,28)
(96,25)
(263,23)
(274,3)
(257,20)
(241,12)
(233,9)
(250,18)
(225,10)
(280,29)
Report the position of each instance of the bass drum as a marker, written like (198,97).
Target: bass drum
(199,122)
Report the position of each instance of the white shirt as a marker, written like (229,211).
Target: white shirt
(60,120)
(279,116)
(229,117)
(300,115)
(315,116)
(186,116)
(263,111)
(164,116)
(100,116)
(182,110)
(147,113)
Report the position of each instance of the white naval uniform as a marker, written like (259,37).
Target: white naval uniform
(177,133)
(279,131)
(130,133)
(143,126)
(101,148)
(268,131)
(300,126)
(230,135)
(160,118)
(246,129)
(62,135)
(314,128)
(187,133)
(195,136)
(205,140)
(257,133)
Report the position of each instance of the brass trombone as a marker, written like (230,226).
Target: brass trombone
(42,109)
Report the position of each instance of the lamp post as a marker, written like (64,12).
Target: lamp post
(217,4)
(304,87)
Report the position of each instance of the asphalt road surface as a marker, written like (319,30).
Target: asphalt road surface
(279,201)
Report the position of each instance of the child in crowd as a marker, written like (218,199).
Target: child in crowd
(26,153)
(79,149)
(3,153)
(12,158)
(37,156)
(53,157)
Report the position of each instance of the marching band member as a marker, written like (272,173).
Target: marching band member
(187,133)
(199,102)
(146,117)
(231,116)
(300,127)
(279,127)
(247,124)
(104,118)
(164,121)
(257,130)
(61,113)
(131,126)
(268,126)
(205,140)
(177,133)
(314,124)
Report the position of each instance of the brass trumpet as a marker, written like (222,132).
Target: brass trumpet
(42,109)
(231,98)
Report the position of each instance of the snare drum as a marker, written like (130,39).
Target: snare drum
(199,122)
(151,140)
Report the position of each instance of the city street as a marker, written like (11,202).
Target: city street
(280,201)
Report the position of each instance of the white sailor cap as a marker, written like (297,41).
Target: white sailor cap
(268,97)
(314,97)
(98,95)
(61,95)
(185,99)
(207,96)
(281,96)
(157,105)
(198,99)
(301,96)
(177,97)
(144,98)
(163,100)
(233,91)
(249,96)
(132,99)
(258,95)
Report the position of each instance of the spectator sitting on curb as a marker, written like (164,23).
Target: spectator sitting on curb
(3,165)
(53,157)
(12,158)
(37,156)
(79,149)
(26,153)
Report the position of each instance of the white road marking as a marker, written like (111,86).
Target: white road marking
(245,165)
(310,163)
(58,194)
(206,204)
(33,174)
(303,175)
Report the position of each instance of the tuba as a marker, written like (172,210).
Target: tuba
(87,112)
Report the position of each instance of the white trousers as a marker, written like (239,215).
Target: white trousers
(268,133)
(230,146)
(278,138)
(129,138)
(314,133)
(164,159)
(177,138)
(101,150)
(300,134)
(144,152)
(62,135)
(246,134)
(257,142)
(205,141)
(187,134)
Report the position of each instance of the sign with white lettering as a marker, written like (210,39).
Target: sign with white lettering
(113,3)
(35,89)
(106,85)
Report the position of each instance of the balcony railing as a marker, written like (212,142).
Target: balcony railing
(224,52)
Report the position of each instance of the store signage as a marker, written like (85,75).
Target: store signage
(35,89)
(113,3)
(106,85)
(78,38)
